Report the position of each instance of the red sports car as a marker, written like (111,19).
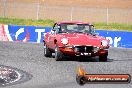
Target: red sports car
(75,39)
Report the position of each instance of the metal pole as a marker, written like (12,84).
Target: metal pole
(44,6)
(38,7)
(4,9)
(72,13)
(107,16)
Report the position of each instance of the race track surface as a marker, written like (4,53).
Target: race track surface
(48,73)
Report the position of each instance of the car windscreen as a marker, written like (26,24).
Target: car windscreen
(77,28)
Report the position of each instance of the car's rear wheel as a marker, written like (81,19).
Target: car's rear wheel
(47,52)
(103,58)
(58,54)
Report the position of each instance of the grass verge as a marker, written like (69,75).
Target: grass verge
(114,26)
(49,23)
(27,22)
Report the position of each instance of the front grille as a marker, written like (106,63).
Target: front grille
(83,49)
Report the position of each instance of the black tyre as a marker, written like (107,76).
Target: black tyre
(103,58)
(47,52)
(58,54)
(80,80)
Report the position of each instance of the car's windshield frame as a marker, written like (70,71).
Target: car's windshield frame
(78,28)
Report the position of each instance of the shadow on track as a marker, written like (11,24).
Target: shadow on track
(124,60)
(84,59)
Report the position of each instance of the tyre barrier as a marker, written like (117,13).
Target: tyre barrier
(11,76)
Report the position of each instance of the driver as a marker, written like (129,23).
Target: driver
(63,29)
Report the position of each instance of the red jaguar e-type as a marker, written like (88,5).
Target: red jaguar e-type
(75,39)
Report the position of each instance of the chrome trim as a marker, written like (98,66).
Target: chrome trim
(98,48)
(105,49)
(77,55)
(85,45)
(65,46)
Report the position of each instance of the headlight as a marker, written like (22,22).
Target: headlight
(96,49)
(104,42)
(64,40)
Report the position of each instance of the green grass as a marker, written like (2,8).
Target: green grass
(113,26)
(27,22)
(49,23)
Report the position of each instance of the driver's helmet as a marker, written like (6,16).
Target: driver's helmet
(86,28)
(81,27)
(63,28)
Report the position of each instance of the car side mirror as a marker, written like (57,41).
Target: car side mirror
(95,34)
(54,30)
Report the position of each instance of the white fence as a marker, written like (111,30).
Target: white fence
(59,13)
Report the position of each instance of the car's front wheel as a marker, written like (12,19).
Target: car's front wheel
(103,58)
(58,54)
(47,52)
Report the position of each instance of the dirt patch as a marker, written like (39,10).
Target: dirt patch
(110,11)
(82,3)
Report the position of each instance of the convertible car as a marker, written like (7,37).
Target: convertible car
(75,39)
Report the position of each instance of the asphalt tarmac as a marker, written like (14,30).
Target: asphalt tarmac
(48,73)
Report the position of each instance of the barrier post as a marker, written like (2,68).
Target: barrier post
(38,7)
(4,14)
(72,13)
(107,19)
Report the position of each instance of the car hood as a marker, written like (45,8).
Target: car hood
(83,39)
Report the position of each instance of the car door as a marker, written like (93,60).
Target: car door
(53,36)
